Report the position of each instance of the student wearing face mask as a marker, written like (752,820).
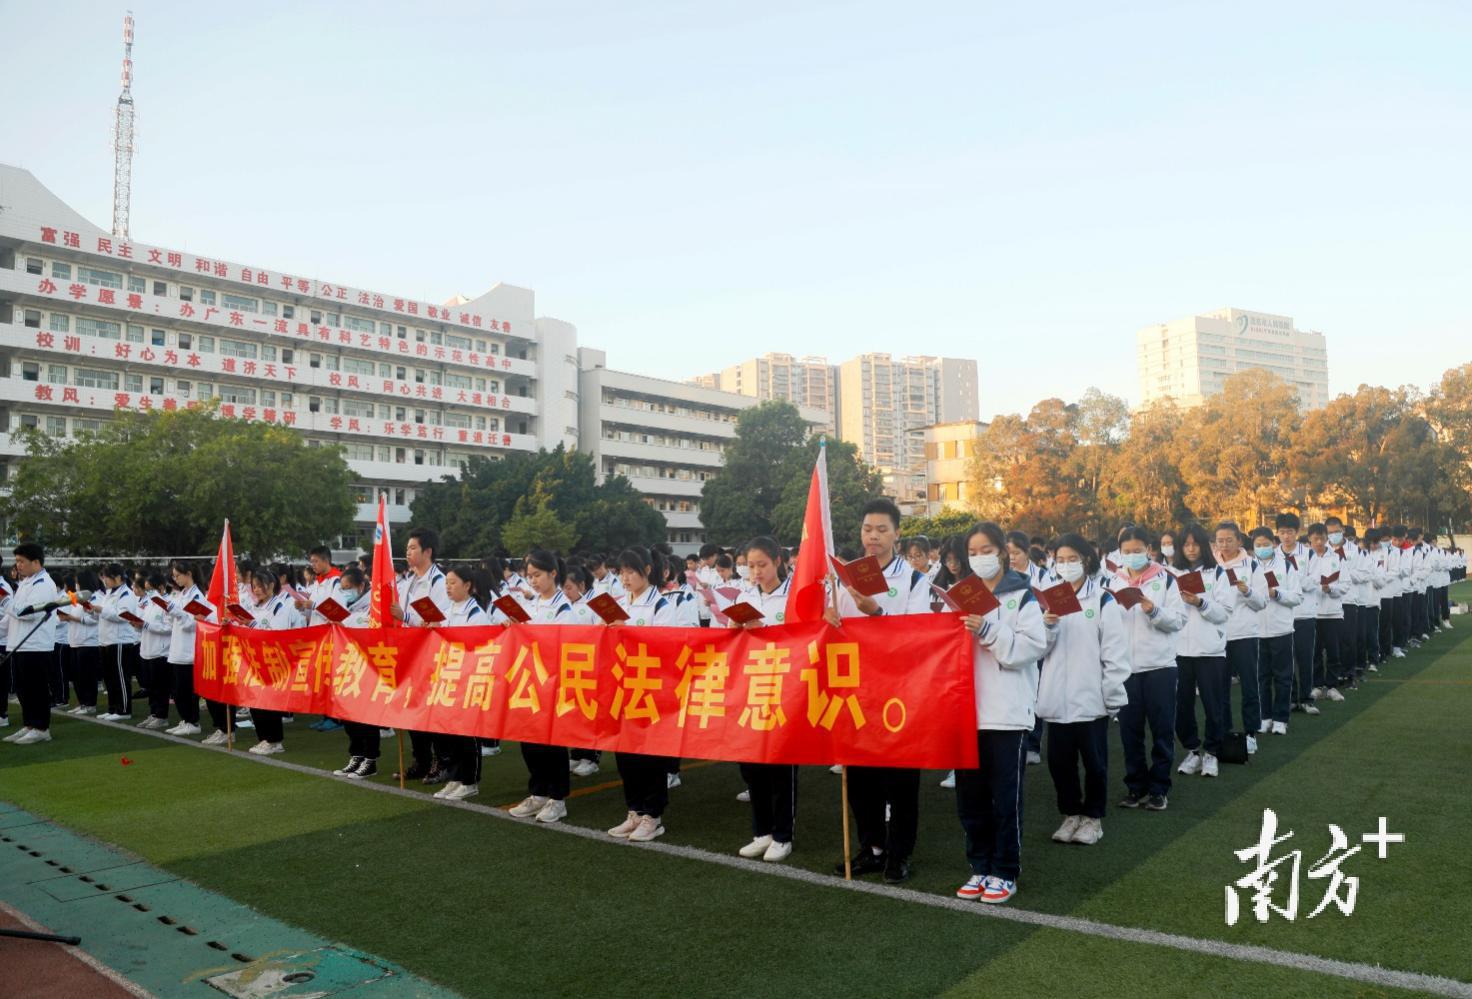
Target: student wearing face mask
(1349,635)
(549,776)
(1151,628)
(1251,596)
(1275,635)
(1019,560)
(1372,582)
(364,741)
(884,845)
(1323,565)
(1009,641)
(1201,654)
(1167,549)
(1081,686)
(1296,554)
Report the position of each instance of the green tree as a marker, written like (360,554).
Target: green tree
(1143,477)
(738,502)
(163,483)
(534,524)
(851,484)
(946,524)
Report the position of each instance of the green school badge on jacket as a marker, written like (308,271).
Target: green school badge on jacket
(893,592)
(639,621)
(1155,586)
(1089,613)
(780,617)
(1011,604)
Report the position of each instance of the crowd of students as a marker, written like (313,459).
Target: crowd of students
(1204,638)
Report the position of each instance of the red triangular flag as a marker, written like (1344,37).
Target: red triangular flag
(385,593)
(224,586)
(805,595)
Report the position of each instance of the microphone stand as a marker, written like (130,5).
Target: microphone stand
(11,652)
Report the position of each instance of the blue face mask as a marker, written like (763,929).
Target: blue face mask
(1336,538)
(1135,561)
(1263,554)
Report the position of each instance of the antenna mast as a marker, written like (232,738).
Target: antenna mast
(122,180)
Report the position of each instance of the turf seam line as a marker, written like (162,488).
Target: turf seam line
(1249,953)
(79,954)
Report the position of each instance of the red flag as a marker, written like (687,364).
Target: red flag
(805,597)
(385,593)
(224,586)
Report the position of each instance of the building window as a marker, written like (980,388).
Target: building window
(237,348)
(30,371)
(62,271)
(206,296)
(155,385)
(186,294)
(186,341)
(100,328)
(137,284)
(56,374)
(182,388)
(28,420)
(56,426)
(158,338)
(104,279)
(207,344)
(33,319)
(33,265)
(160,288)
(95,378)
(288,312)
(240,302)
(132,383)
(268,308)
(288,356)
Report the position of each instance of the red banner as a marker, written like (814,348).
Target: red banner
(876,692)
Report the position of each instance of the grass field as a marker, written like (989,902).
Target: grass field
(485,905)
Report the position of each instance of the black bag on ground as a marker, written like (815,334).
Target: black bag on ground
(1234,748)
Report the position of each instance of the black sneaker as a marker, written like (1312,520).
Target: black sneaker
(350,767)
(896,870)
(1133,799)
(415,772)
(435,775)
(365,769)
(866,861)
(1156,803)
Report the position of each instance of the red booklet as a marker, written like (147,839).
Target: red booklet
(161,603)
(1060,600)
(1129,596)
(427,610)
(607,608)
(865,575)
(1109,564)
(1326,580)
(508,605)
(332,610)
(1232,577)
(197,608)
(1272,580)
(741,613)
(1191,582)
(239,613)
(969,596)
(131,618)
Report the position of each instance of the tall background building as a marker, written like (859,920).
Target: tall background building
(802,381)
(1187,359)
(949,448)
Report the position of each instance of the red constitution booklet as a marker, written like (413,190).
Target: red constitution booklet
(607,608)
(1060,600)
(1191,582)
(332,610)
(864,574)
(509,606)
(1129,596)
(741,613)
(969,596)
(427,610)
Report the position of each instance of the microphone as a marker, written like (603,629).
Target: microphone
(65,600)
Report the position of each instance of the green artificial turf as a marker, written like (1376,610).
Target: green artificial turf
(488,907)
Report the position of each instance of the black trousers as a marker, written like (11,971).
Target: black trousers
(158,678)
(1327,667)
(1152,694)
(1420,620)
(1305,637)
(1402,628)
(268,723)
(33,688)
(1204,675)
(870,789)
(59,674)
(1275,677)
(86,666)
(459,757)
(1369,636)
(547,771)
(646,782)
(1349,642)
(114,661)
(363,740)
(1387,627)
(989,804)
(7,684)
(185,699)
(431,747)
(773,788)
(1075,744)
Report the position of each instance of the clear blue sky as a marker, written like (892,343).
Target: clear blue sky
(692,184)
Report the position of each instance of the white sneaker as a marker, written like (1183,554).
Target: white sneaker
(584,768)
(1333,694)
(1264,727)
(649,828)
(245,724)
(1089,832)
(744,795)
(463,791)
(671,781)
(448,788)
(215,738)
(242,713)
(34,736)
(1033,759)
(949,781)
(17,734)
(756,847)
(189,728)
(108,716)
(490,750)
(777,852)
(529,807)
(1065,832)
(627,826)
(837,768)
(386,733)
(1208,766)
(1316,693)
(253,749)
(4,722)
(174,730)
(1190,765)
(269,749)
(553,811)
(1311,709)
(153,723)
(1280,728)
(1399,653)
(1251,744)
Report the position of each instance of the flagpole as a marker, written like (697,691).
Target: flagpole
(401,758)
(848,854)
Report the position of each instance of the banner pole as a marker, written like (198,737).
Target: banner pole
(400,734)
(848,853)
(229,728)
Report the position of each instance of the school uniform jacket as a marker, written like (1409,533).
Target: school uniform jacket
(1331,602)
(649,609)
(432,585)
(1087,661)
(279,614)
(81,626)
(181,637)
(1005,652)
(38,588)
(1276,617)
(1242,607)
(466,612)
(556,609)
(908,593)
(773,606)
(1152,637)
(154,642)
(1205,633)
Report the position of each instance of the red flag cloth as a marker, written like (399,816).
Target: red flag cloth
(224,585)
(385,591)
(881,691)
(806,595)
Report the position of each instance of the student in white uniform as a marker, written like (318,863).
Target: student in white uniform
(646,785)
(605,577)
(1009,642)
(885,800)
(772,786)
(577,583)
(422,579)
(181,646)
(153,649)
(31,640)
(1019,559)
(1275,633)
(275,611)
(1080,687)
(1201,654)
(548,770)
(6,590)
(459,755)
(364,741)
(117,640)
(1324,563)
(81,638)
(1242,628)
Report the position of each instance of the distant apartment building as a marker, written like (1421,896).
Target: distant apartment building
(949,448)
(802,381)
(1188,359)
